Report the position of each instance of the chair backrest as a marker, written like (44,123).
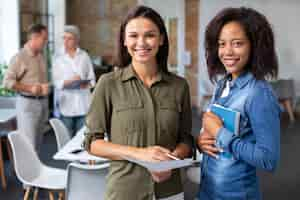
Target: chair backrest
(193,173)
(26,161)
(61,132)
(86,181)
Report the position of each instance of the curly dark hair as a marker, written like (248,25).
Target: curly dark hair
(123,59)
(263,59)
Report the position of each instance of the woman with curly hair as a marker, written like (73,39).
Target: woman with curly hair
(239,45)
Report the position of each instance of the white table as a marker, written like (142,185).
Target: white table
(65,153)
(7,114)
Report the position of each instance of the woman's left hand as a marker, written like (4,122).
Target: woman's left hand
(211,123)
(161,176)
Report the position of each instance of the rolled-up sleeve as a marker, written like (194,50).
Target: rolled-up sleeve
(186,119)
(91,73)
(264,115)
(224,138)
(99,116)
(13,73)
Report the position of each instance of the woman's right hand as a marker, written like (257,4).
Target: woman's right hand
(207,144)
(153,154)
(156,154)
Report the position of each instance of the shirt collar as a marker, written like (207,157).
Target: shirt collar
(243,79)
(78,50)
(129,73)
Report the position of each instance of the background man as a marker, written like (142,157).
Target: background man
(27,75)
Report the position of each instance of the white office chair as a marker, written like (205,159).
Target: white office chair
(194,173)
(61,132)
(6,127)
(86,181)
(31,171)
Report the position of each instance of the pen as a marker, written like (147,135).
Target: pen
(75,151)
(173,157)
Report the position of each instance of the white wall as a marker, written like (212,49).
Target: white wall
(1,48)
(57,8)
(172,9)
(9,28)
(283,15)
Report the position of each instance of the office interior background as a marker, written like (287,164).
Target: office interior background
(185,20)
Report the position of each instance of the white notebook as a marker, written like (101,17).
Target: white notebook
(164,165)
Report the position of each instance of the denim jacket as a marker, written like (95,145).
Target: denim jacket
(256,146)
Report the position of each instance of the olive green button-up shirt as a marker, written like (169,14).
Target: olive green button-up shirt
(133,114)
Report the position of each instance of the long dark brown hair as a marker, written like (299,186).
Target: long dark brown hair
(123,58)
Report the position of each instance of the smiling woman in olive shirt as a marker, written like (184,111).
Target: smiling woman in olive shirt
(145,111)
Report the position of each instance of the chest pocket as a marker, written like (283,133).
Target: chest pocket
(169,118)
(128,106)
(129,118)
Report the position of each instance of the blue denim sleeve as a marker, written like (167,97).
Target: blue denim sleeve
(264,114)
(224,138)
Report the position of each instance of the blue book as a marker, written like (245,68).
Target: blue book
(231,120)
(230,117)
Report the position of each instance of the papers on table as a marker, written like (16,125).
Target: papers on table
(73,151)
(164,165)
(7,114)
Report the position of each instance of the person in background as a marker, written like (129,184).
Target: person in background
(27,75)
(71,65)
(239,45)
(145,111)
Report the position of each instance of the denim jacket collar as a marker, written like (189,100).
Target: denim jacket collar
(243,79)
(239,83)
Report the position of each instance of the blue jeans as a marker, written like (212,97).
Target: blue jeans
(73,123)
